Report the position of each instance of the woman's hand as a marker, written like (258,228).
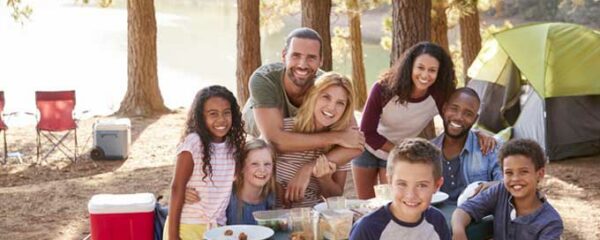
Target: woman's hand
(486,142)
(297,185)
(323,167)
(191,196)
(352,138)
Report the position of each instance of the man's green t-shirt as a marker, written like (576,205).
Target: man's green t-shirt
(267,91)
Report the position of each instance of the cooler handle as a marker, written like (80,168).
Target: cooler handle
(108,134)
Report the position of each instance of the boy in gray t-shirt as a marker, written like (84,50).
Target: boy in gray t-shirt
(414,174)
(520,211)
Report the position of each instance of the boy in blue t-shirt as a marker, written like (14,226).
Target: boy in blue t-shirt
(414,173)
(520,210)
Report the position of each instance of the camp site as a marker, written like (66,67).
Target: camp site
(295,119)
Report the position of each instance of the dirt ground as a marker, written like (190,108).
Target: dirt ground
(49,200)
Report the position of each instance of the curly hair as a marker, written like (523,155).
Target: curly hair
(416,150)
(526,147)
(195,123)
(397,81)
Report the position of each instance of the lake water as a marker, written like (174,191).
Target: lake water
(67,45)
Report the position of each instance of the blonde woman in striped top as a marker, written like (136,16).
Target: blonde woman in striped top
(328,106)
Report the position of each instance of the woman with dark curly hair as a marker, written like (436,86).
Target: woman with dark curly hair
(401,104)
(210,147)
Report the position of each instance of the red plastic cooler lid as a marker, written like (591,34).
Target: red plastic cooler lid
(122,203)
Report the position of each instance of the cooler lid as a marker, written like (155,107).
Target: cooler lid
(122,203)
(112,124)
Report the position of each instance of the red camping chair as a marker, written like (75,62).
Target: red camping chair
(3,126)
(56,115)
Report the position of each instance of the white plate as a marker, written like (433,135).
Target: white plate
(439,197)
(254,232)
(350,203)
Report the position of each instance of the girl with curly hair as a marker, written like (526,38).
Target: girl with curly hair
(210,148)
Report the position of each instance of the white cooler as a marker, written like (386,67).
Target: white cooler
(112,138)
(122,216)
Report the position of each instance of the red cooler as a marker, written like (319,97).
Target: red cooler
(122,216)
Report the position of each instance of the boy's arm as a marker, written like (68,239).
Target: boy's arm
(460,221)
(183,171)
(552,231)
(270,123)
(482,204)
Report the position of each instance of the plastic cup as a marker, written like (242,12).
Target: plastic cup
(336,224)
(383,192)
(336,202)
(302,222)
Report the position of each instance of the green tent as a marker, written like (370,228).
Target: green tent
(544,81)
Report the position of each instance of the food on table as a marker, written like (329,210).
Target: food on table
(278,220)
(228,232)
(298,236)
(336,224)
(243,236)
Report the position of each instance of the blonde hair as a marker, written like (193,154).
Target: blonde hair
(251,145)
(305,119)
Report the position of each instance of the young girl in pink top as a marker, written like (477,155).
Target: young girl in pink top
(211,146)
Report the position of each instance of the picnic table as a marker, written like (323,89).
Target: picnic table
(481,230)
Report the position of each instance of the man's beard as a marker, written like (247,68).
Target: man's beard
(310,78)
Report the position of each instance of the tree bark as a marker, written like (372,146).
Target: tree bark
(143,96)
(248,45)
(470,38)
(439,24)
(358,66)
(315,15)
(411,24)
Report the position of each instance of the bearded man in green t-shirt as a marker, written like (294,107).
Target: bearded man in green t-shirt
(277,91)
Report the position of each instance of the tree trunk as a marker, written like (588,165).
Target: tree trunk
(315,15)
(499,9)
(358,66)
(439,24)
(143,96)
(470,38)
(248,45)
(411,24)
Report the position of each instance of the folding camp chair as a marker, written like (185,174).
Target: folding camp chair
(3,126)
(56,115)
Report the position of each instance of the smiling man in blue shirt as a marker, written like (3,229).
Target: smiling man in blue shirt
(462,160)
